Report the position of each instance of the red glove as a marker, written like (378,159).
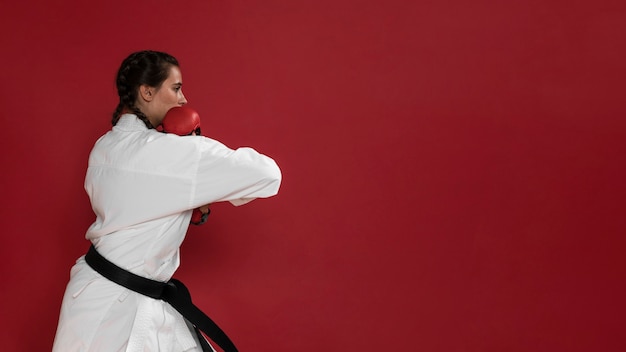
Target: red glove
(184,121)
(198,217)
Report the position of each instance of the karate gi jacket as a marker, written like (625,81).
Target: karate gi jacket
(143,186)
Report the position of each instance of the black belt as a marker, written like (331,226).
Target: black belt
(173,292)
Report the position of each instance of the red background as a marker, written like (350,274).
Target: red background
(453,170)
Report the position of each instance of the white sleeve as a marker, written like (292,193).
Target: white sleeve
(238,176)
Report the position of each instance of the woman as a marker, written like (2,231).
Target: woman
(143,186)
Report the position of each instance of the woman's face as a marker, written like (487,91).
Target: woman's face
(157,102)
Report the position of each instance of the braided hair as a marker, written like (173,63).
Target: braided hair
(146,67)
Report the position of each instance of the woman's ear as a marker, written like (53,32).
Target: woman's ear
(146,92)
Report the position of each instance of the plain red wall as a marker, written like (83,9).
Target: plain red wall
(453,171)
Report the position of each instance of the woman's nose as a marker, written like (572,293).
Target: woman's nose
(182,100)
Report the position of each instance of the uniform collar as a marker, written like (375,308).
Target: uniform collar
(130,122)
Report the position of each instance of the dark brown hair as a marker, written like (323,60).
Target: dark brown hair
(143,67)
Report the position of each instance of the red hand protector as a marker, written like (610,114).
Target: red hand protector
(182,121)
(198,217)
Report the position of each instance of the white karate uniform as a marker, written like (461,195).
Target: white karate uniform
(143,185)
